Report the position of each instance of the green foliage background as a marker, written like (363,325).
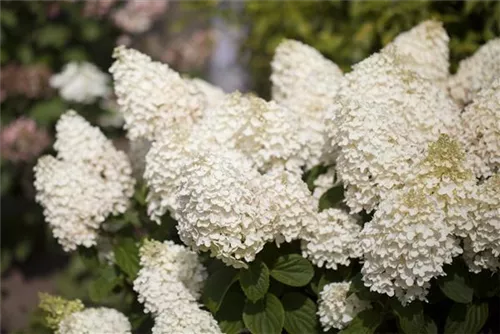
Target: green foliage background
(349,31)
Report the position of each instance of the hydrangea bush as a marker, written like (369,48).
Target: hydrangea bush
(360,202)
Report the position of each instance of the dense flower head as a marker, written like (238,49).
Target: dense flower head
(56,308)
(264,131)
(168,284)
(153,98)
(333,240)
(95,320)
(482,245)
(481,130)
(335,308)
(213,94)
(221,210)
(306,83)
(425,47)
(88,181)
(22,140)
(406,245)
(385,114)
(291,202)
(476,72)
(81,83)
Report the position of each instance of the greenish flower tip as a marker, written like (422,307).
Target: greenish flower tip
(57,308)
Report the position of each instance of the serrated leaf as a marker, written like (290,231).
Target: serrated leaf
(366,322)
(266,316)
(229,315)
(217,286)
(455,285)
(300,314)
(469,318)
(254,280)
(292,270)
(127,256)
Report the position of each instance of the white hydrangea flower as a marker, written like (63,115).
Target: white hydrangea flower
(87,182)
(425,50)
(291,202)
(406,245)
(213,94)
(384,116)
(221,209)
(335,308)
(153,98)
(333,240)
(185,318)
(95,320)
(482,245)
(172,262)
(476,72)
(324,182)
(306,83)
(264,131)
(412,233)
(481,134)
(169,282)
(81,82)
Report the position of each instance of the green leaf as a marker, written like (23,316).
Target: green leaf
(455,285)
(292,270)
(266,316)
(47,112)
(466,318)
(300,314)
(331,198)
(216,287)
(485,284)
(411,318)
(229,315)
(52,35)
(255,280)
(101,288)
(359,288)
(127,256)
(366,322)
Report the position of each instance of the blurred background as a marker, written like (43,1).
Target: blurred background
(55,55)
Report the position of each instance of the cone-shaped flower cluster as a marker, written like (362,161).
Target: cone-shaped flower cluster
(87,181)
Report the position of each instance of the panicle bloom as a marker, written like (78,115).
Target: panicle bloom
(22,140)
(95,320)
(482,245)
(168,284)
(335,308)
(221,210)
(265,131)
(406,245)
(425,47)
(384,116)
(306,83)
(56,308)
(333,240)
(137,16)
(81,83)
(481,130)
(152,97)
(291,202)
(476,72)
(213,94)
(88,181)
(412,233)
